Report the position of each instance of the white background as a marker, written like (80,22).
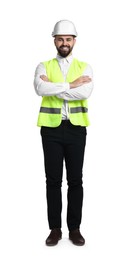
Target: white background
(25,40)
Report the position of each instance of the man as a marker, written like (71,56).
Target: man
(65,85)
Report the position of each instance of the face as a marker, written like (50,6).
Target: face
(64,44)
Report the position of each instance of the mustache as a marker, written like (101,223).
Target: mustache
(62,46)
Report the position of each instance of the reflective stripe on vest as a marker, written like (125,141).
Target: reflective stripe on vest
(78,110)
(49,110)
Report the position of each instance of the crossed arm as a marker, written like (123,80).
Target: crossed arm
(79,89)
(76,83)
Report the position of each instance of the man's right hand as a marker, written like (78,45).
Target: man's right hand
(44,78)
(80,81)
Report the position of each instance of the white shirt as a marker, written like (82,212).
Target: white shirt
(62,90)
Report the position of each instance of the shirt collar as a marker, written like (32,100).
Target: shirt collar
(61,59)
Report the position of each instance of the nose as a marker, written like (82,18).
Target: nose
(64,42)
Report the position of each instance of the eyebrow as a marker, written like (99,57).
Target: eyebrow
(68,38)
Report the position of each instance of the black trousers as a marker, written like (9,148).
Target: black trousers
(66,142)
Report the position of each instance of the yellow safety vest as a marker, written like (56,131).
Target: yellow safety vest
(51,106)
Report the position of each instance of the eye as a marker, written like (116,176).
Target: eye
(60,39)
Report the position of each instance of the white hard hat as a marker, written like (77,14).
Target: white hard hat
(64,27)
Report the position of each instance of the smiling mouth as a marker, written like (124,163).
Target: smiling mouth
(64,48)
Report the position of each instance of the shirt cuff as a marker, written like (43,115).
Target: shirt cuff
(67,86)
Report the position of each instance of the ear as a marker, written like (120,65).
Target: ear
(55,41)
(74,40)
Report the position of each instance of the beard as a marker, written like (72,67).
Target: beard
(64,50)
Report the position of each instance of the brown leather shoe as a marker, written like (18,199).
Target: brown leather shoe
(54,236)
(76,237)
